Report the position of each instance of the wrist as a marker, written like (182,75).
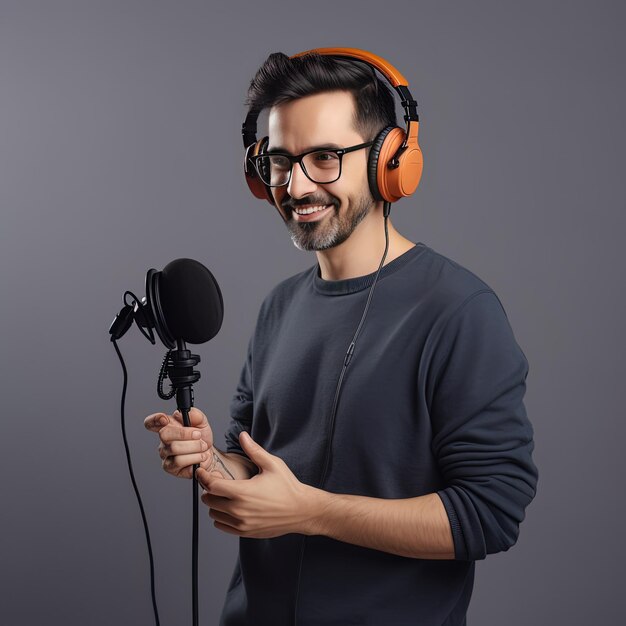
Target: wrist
(318,502)
(231,465)
(219,462)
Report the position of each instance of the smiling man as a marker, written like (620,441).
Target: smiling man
(390,447)
(324,217)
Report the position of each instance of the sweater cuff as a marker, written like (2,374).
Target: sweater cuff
(460,547)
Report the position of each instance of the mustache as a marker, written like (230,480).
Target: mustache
(291,203)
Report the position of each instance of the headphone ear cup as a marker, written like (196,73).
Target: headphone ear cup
(391,184)
(372,162)
(258,188)
(263,164)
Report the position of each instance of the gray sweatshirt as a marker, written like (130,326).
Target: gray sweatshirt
(431,402)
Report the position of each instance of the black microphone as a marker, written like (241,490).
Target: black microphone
(184,304)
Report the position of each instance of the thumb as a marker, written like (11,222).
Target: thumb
(255,452)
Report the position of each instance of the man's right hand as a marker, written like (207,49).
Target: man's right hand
(180,446)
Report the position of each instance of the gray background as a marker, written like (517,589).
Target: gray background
(120,150)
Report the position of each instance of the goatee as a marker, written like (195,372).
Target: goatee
(331,230)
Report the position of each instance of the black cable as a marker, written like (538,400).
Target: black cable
(169,362)
(349,354)
(346,361)
(138,306)
(194,534)
(194,547)
(132,478)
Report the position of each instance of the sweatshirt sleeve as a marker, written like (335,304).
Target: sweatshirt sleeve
(482,437)
(241,407)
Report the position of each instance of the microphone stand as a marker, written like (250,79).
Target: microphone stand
(182,376)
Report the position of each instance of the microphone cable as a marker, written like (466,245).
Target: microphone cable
(167,395)
(132,478)
(122,322)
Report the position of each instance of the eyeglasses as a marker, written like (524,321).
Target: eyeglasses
(319,166)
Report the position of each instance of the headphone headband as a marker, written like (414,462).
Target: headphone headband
(384,67)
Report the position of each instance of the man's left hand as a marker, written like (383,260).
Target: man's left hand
(270,504)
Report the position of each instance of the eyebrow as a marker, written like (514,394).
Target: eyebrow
(325,146)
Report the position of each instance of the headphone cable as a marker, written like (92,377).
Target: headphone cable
(350,351)
(346,361)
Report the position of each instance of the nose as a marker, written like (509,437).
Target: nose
(300,185)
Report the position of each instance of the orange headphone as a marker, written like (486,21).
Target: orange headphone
(395,160)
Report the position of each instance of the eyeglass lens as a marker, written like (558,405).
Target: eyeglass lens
(321,167)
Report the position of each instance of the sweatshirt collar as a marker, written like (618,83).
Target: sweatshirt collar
(358,283)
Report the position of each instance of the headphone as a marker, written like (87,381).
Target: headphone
(395,161)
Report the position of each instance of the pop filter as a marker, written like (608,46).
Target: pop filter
(184,302)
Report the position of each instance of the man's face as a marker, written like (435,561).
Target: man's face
(307,123)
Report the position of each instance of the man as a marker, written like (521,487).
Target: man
(377,515)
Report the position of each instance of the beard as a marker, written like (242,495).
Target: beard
(332,229)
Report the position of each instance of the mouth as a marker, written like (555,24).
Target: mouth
(311,213)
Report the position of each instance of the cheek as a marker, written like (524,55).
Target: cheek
(336,191)
(352,184)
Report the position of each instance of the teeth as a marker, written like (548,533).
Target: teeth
(310,210)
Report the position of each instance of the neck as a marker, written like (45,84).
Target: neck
(360,254)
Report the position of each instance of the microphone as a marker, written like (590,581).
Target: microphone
(184,304)
(185,301)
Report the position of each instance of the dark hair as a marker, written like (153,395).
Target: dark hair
(282,79)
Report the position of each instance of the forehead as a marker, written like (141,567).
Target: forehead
(312,121)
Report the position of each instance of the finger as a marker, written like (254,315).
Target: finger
(186,447)
(215,502)
(181,447)
(219,486)
(196,418)
(171,433)
(225,518)
(185,472)
(228,529)
(174,464)
(155,422)
(203,477)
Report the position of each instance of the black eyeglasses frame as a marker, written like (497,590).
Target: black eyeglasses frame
(298,159)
